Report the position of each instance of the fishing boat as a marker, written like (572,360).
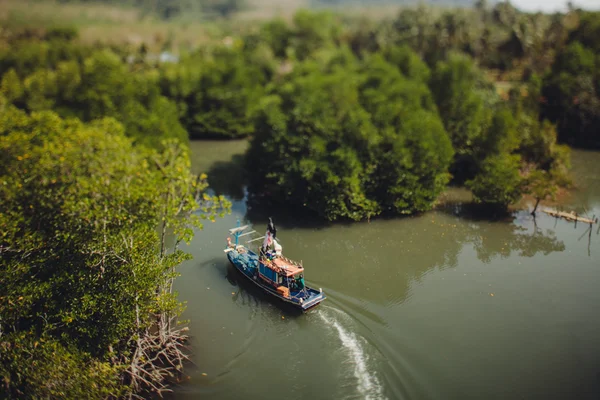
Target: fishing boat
(269,269)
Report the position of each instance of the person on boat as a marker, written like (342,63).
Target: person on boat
(300,282)
(271,228)
(294,283)
(266,243)
(277,247)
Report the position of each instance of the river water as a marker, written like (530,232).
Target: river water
(446,305)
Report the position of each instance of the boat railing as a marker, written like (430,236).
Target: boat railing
(282,257)
(287,260)
(270,264)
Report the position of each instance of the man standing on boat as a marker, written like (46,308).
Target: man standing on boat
(300,282)
(271,228)
(270,240)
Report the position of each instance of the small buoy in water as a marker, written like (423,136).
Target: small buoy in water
(492,294)
(204,374)
(282,317)
(232,292)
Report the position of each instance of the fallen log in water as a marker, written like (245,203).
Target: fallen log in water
(572,216)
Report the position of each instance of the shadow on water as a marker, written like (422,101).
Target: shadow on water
(465,210)
(471,211)
(227,177)
(259,209)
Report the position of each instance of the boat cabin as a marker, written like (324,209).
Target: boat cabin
(278,270)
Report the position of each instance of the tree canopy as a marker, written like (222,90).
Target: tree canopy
(354,141)
(84,274)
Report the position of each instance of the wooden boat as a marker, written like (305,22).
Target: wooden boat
(268,269)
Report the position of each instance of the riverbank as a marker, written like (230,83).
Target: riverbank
(223,163)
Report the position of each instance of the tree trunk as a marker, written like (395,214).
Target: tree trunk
(537,201)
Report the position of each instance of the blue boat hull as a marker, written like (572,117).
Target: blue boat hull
(247,265)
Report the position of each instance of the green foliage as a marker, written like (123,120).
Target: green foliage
(27,55)
(277,34)
(41,367)
(588,31)
(572,97)
(225,95)
(411,164)
(499,183)
(332,99)
(61,33)
(223,8)
(11,87)
(313,31)
(541,185)
(575,59)
(350,142)
(409,63)
(464,103)
(503,134)
(82,263)
(309,135)
(58,75)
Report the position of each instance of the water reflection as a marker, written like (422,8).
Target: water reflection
(227,177)
(259,210)
(503,239)
(586,179)
(378,261)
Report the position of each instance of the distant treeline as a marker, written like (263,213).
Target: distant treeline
(559,53)
(173,9)
(350,117)
(169,9)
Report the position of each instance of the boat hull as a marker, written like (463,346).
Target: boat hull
(245,267)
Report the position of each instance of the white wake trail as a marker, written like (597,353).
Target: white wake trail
(368,384)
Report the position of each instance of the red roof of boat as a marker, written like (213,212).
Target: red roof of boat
(283,267)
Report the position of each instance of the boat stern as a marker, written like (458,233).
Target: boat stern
(315,298)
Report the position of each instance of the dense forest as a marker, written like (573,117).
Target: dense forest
(87,308)
(347,117)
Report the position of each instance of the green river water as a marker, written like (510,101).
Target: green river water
(446,305)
